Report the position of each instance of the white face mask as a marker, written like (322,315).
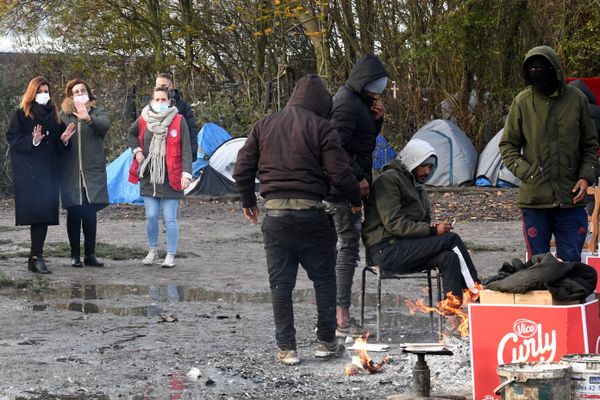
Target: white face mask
(42,98)
(160,107)
(84,98)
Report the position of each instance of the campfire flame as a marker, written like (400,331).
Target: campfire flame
(450,307)
(362,362)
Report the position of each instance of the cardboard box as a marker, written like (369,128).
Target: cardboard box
(535,297)
(509,333)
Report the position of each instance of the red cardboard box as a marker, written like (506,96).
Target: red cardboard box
(509,333)
(593,261)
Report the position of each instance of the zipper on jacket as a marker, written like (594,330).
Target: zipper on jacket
(80,166)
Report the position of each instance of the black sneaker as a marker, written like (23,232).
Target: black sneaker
(352,329)
(329,349)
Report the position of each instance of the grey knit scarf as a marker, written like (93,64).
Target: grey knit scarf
(158,124)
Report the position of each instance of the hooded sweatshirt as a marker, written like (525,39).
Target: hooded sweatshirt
(549,142)
(351,115)
(296,151)
(397,205)
(592,102)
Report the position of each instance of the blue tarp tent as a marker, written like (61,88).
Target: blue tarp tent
(119,188)
(383,152)
(210,137)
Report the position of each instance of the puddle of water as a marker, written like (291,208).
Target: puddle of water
(93,308)
(81,299)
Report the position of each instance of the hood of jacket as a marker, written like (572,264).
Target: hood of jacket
(366,69)
(579,84)
(415,153)
(549,54)
(310,93)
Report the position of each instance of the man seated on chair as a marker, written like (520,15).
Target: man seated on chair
(397,230)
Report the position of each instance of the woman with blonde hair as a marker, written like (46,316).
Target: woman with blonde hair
(37,139)
(83,170)
(160,142)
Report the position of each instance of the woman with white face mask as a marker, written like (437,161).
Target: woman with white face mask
(83,170)
(160,142)
(37,139)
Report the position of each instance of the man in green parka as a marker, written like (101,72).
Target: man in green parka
(550,144)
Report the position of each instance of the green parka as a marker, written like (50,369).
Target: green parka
(397,206)
(85,164)
(549,142)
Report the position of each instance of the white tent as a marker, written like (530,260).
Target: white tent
(217,176)
(490,168)
(457,158)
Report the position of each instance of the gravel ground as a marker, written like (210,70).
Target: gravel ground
(133,332)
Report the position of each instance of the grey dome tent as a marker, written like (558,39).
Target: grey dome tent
(457,158)
(490,168)
(217,177)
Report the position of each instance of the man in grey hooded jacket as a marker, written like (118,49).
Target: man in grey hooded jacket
(398,232)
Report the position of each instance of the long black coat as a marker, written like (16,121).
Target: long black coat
(85,165)
(36,173)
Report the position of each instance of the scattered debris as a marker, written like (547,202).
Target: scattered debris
(193,374)
(165,317)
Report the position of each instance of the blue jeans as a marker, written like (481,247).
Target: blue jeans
(348,228)
(568,225)
(169,209)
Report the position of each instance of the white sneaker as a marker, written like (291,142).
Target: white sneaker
(151,257)
(169,261)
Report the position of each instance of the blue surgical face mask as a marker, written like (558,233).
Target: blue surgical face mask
(160,107)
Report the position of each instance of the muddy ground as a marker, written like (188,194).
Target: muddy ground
(108,333)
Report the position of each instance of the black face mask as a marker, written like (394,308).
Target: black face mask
(544,80)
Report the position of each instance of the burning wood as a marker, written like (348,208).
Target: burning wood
(362,362)
(452,306)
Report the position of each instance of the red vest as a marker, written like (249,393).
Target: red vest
(172,156)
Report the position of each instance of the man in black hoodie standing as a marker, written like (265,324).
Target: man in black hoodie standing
(166,80)
(297,155)
(357,114)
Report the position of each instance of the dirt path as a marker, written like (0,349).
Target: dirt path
(95,334)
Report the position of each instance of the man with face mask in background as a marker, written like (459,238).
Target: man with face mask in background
(550,144)
(166,80)
(357,114)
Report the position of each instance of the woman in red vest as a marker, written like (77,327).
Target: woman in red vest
(160,142)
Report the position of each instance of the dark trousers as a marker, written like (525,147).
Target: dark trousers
(78,217)
(419,254)
(38,234)
(568,225)
(310,241)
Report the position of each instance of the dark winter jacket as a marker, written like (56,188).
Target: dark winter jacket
(592,101)
(164,191)
(184,109)
(565,280)
(296,151)
(351,115)
(396,206)
(36,169)
(549,142)
(85,165)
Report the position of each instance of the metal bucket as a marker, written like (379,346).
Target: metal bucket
(585,381)
(541,381)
